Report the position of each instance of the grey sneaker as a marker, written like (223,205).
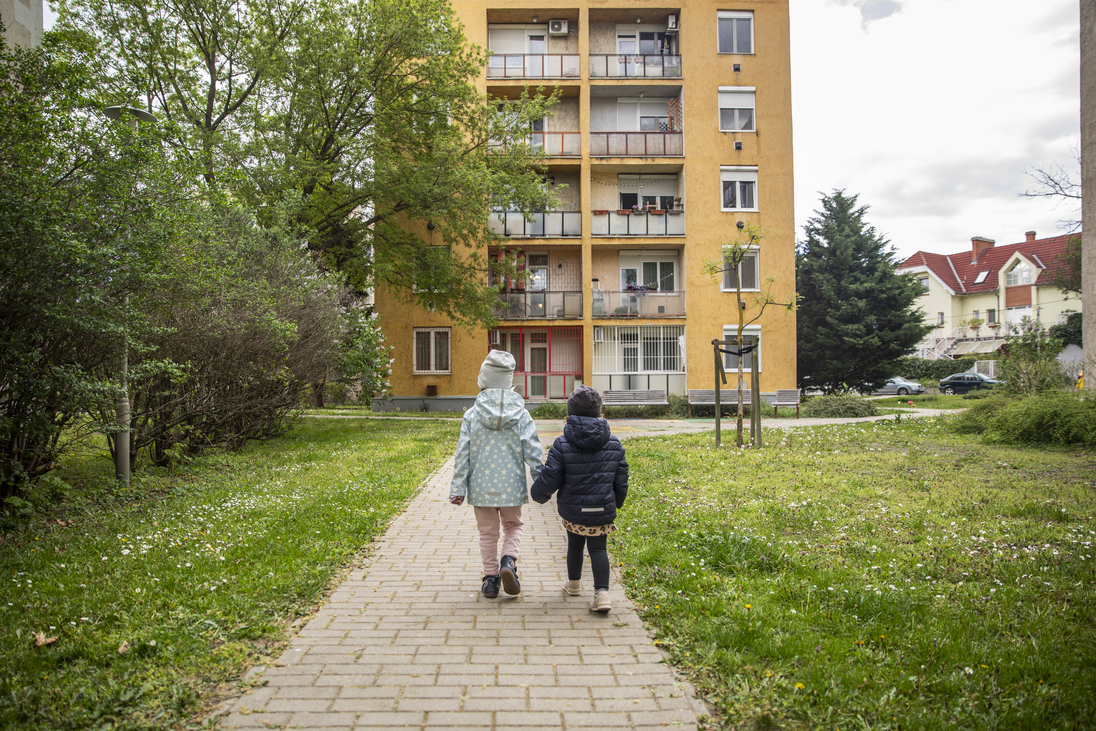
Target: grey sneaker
(509,573)
(601,603)
(572,588)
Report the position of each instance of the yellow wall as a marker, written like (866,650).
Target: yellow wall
(592,181)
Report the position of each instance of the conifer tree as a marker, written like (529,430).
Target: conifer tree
(857,316)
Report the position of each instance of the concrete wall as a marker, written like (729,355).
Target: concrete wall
(23,22)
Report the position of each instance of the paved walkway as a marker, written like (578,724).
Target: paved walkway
(407,641)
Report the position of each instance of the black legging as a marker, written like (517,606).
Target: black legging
(599,559)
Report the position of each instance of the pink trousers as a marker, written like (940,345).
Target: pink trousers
(488,520)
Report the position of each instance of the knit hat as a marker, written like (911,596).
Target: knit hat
(584,401)
(497,370)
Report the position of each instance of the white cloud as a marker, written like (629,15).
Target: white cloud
(935,116)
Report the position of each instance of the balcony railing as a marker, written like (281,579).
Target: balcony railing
(615,223)
(646,66)
(533,66)
(557,144)
(638,303)
(549,305)
(548,224)
(636,144)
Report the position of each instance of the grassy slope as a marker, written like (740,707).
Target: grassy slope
(869,576)
(201,580)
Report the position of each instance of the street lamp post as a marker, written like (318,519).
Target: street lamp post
(121,402)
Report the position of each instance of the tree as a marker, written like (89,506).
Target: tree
(1056,183)
(366,113)
(857,316)
(1070,331)
(1029,362)
(735,253)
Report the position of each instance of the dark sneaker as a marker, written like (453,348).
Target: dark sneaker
(490,586)
(509,573)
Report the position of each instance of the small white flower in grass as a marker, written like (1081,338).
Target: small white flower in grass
(968,671)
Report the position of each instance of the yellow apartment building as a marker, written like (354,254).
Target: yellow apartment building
(674,126)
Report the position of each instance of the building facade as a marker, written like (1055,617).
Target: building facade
(976,297)
(22,21)
(674,126)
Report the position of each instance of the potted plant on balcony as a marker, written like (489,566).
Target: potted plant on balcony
(624,211)
(638,210)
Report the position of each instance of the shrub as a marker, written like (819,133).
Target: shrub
(679,406)
(838,406)
(1046,418)
(549,410)
(977,418)
(924,370)
(977,394)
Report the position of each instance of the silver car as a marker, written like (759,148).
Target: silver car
(899,386)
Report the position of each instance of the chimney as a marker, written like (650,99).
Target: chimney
(978,244)
(1030,236)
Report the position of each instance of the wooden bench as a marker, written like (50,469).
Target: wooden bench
(634,398)
(786,397)
(703,396)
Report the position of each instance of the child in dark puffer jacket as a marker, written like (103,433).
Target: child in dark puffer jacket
(587,466)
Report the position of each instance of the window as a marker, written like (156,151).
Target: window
(751,335)
(739,188)
(1019,274)
(924,282)
(940,321)
(658,275)
(991,317)
(735,31)
(981,277)
(660,350)
(977,315)
(747,272)
(736,109)
(432,350)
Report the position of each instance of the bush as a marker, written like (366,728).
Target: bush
(1047,418)
(977,418)
(550,410)
(924,370)
(679,406)
(980,393)
(838,406)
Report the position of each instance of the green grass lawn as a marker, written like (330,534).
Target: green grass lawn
(158,594)
(869,576)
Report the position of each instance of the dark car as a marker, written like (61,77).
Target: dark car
(964,382)
(899,386)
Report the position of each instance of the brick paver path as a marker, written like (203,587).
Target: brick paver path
(408,642)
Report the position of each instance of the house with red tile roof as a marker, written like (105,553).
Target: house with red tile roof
(975,297)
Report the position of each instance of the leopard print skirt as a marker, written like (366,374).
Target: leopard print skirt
(588,530)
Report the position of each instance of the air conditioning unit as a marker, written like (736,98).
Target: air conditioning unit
(671,24)
(493,337)
(557,27)
(599,334)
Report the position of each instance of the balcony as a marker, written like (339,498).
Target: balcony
(638,303)
(547,224)
(533,66)
(556,144)
(537,305)
(636,144)
(643,66)
(642,223)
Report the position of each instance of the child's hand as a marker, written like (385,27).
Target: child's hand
(457,499)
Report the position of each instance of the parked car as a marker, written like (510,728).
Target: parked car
(964,382)
(899,386)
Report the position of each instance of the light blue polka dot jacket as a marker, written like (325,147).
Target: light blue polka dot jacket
(497,440)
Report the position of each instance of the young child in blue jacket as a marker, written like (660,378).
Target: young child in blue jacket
(586,466)
(497,440)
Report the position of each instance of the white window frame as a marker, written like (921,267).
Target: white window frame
(738,175)
(752,258)
(733,98)
(433,331)
(730,362)
(735,15)
(981,276)
(924,282)
(1022,272)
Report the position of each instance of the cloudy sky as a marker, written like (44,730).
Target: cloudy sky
(932,111)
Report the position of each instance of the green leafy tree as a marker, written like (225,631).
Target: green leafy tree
(1029,362)
(1067,277)
(366,113)
(856,316)
(1070,331)
(87,207)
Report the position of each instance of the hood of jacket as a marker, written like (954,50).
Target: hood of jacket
(498,408)
(587,433)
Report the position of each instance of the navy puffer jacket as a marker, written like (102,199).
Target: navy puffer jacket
(587,466)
